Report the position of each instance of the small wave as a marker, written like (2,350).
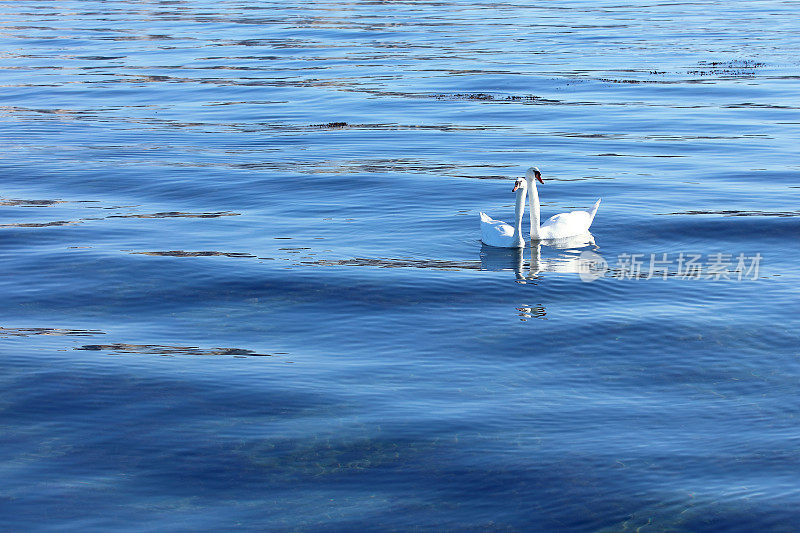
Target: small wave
(40,224)
(437,264)
(27,332)
(166,350)
(182,253)
(28,203)
(736,213)
(178,214)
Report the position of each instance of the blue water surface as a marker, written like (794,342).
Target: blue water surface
(243,286)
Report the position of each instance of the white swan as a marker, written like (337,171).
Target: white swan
(557,226)
(498,233)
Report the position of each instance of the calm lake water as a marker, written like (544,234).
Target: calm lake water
(243,286)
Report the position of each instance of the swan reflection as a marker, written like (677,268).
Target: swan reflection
(567,260)
(496,259)
(577,242)
(529,312)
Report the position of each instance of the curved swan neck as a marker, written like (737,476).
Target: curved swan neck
(533,199)
(519,210)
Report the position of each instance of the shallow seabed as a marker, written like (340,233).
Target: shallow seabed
(243,288)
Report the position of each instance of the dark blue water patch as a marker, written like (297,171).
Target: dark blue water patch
(752,228)
(441,473)
(369,307)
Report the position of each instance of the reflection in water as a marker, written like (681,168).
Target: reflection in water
(183,253)
(496,259)
(178,214)
(386,262)
(536,311)
(567,261)
(159,349)
(27,332)
(94,204)
(738,213)
(119,347)
(40,224)
(575,241)
(28,203)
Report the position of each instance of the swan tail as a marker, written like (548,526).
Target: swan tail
(593,212)
(486,218)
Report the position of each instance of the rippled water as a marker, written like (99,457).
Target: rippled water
(243,284)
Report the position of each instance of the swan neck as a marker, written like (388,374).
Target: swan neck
(519,210)
(535,210)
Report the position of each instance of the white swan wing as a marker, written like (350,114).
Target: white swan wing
(566,224)
(495,232)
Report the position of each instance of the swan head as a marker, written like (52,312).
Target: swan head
(519,184)
(532,173)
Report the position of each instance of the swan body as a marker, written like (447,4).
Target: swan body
(567,224)
(557,226)
(498,233)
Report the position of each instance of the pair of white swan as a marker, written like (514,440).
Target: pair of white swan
(499,234)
